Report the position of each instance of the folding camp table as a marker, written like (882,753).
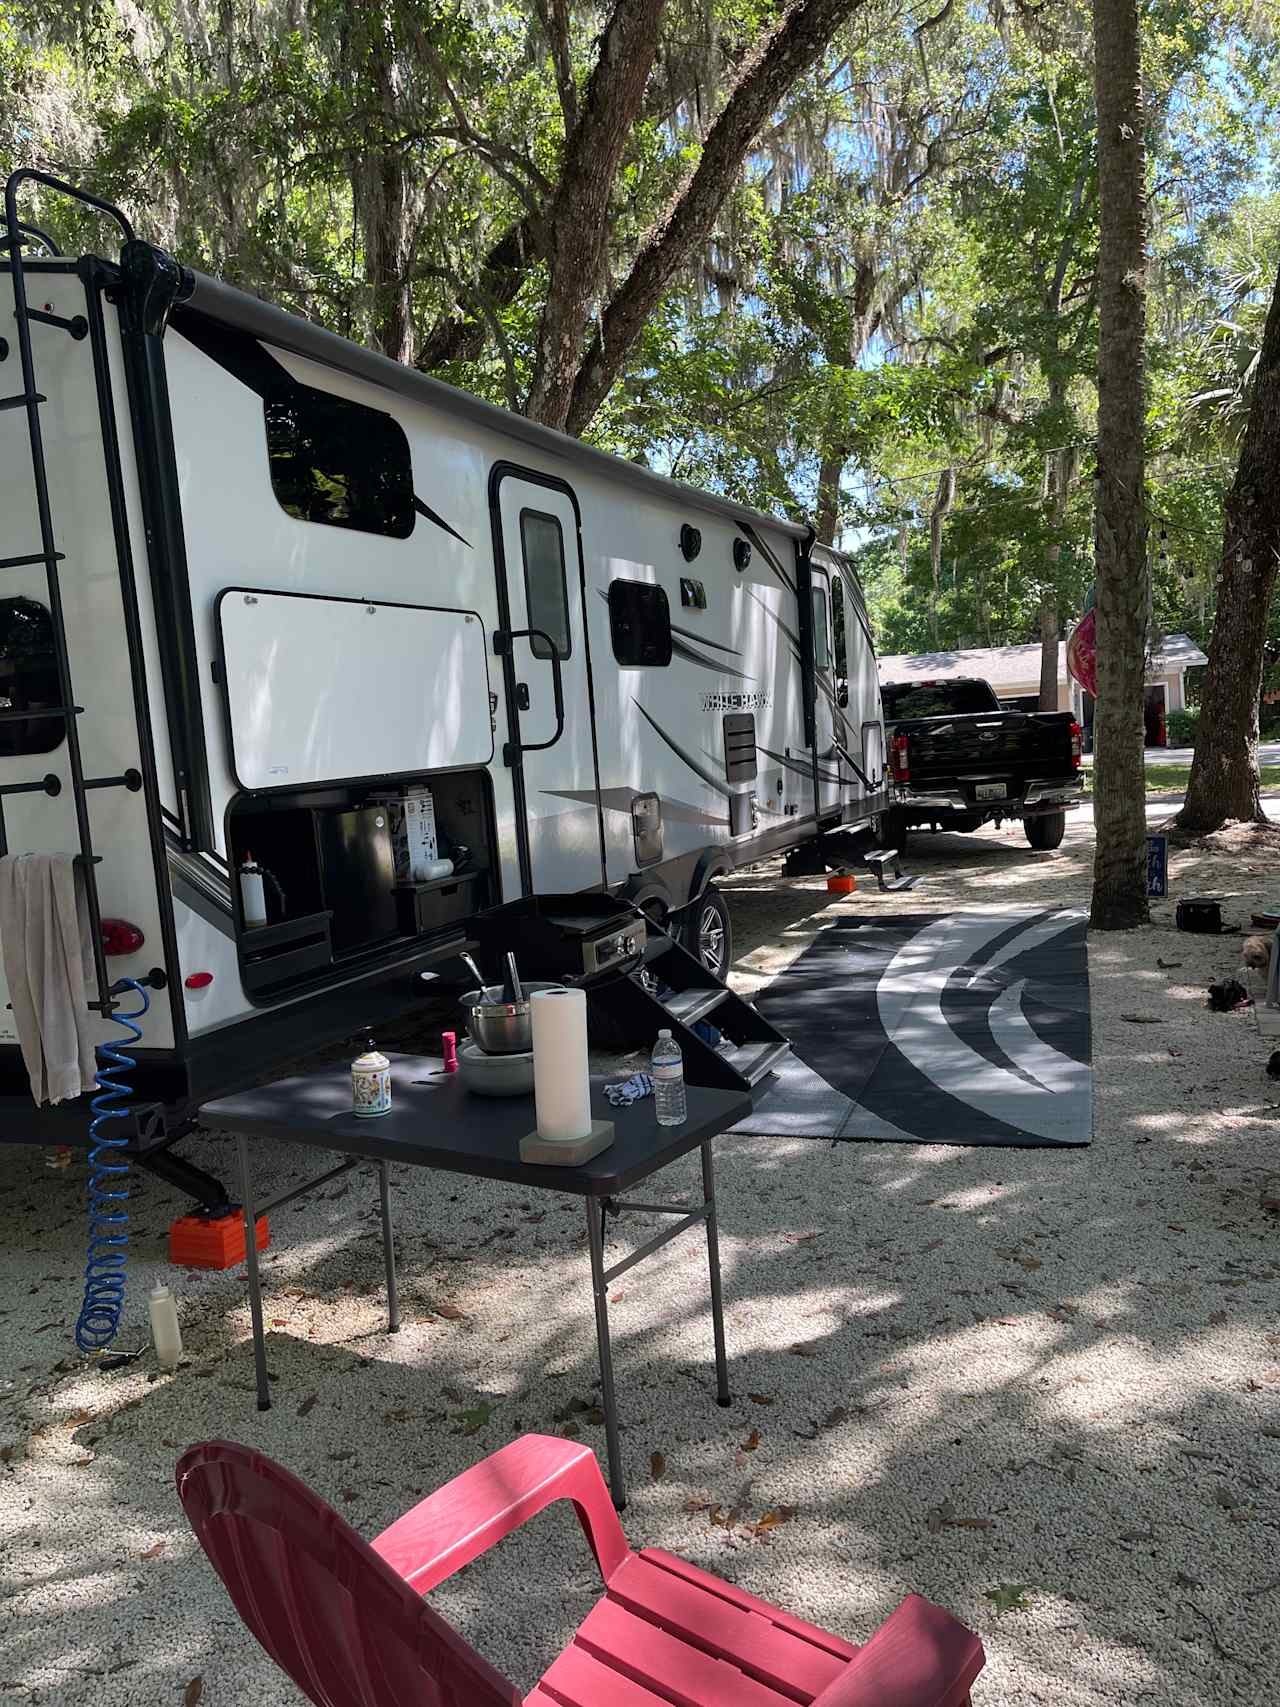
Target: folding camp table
(435,1123)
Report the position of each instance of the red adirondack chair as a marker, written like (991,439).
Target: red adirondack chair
(347,1622)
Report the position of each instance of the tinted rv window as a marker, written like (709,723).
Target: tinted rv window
(28,679)
(337,462)
(545,589)
(821,635)
(640,623)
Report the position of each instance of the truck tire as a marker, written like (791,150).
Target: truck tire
(1046,829)
(890,829)
(708,934)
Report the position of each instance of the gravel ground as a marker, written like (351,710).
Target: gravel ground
(955,1370)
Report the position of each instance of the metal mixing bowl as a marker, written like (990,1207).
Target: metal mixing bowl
(498,1027)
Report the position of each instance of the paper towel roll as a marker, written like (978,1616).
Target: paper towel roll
(561,1089)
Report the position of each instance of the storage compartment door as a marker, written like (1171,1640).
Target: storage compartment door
(327,690)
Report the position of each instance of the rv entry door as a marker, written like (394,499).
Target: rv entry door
(827,720)
(551,745)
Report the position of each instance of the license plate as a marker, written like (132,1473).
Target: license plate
(991,791)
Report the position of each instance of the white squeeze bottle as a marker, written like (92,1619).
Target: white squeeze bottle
(253,894)
(166,1335)
(667,1068)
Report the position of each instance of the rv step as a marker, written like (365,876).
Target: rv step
(878,860)
(21,400)
(34,557)
(689,1006)
(756,1060)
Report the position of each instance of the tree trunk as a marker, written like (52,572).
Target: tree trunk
(578,222)
(943,500)
(1120,518)
(1050,650)
(1224,773)
(384,195)
(777,62)
(826,521)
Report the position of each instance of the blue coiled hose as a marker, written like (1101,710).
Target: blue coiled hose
(104,1274)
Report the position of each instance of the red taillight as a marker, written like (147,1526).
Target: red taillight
(901,760)
(120,937)
(1077,745)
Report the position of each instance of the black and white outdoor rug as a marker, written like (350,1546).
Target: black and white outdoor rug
(966,1028)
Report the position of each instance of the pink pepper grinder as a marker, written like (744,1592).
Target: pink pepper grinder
(449,1040)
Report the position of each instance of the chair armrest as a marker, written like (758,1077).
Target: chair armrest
(919,1657)
(468,1515)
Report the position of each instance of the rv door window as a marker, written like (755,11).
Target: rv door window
(338,462)
(640,624)
(28,679)
(546,591)
(821,636)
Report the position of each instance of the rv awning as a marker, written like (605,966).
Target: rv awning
(223,302)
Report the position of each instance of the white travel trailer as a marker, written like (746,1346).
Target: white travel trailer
(285,580)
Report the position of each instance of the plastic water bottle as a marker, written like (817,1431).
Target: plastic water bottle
(667,1067)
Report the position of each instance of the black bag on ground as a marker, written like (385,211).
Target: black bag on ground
(1198,913)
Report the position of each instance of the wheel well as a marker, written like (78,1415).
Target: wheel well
(708,868)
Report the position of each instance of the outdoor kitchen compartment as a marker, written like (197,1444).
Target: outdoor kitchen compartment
(332,897)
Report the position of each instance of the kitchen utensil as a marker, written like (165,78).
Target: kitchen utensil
(501,1027)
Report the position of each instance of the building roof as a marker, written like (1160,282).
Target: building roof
(1016,666)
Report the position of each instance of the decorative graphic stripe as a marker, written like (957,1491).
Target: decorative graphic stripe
(778,623)
(431,515)
(681,649)
(697,769)
(768,556)
(714,645)
(805,771)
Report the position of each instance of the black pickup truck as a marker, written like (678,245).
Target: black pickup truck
(959,760)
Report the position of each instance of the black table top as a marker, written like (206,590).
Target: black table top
(436,1123)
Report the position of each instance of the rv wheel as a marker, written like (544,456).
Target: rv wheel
(708,933)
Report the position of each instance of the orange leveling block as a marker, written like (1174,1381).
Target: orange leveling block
(200,1241)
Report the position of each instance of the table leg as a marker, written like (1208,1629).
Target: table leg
(713,1263)
(389,1251)
(255,1283)
(600,1288)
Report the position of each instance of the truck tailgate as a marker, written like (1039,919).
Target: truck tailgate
(1014,745)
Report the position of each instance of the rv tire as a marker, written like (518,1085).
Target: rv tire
(708,931)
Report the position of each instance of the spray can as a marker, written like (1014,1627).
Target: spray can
(253,894)
(371,1083)
(166,1335)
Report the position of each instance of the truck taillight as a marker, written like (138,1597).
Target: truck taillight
(901,759)
(1077,745)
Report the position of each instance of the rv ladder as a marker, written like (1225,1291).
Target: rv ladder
(30,399)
